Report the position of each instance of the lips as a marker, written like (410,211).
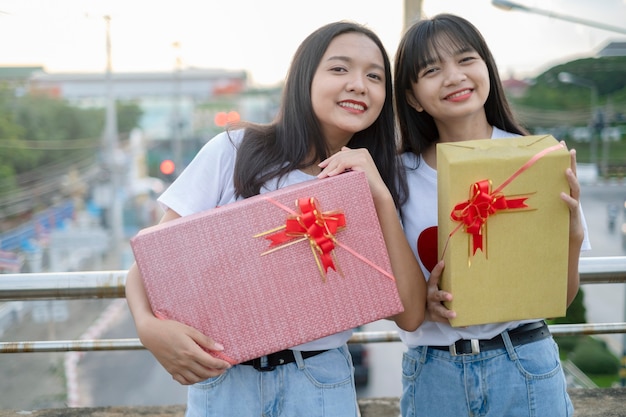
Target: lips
(459,94)
(353,105)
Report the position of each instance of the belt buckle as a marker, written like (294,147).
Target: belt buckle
(264,368)
(261,364)
(473,344)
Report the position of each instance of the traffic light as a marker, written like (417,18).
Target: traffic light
(222,118)
(168,169)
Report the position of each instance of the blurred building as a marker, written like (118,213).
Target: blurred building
(613,49)
(514,87)
(168,100)
(179,108)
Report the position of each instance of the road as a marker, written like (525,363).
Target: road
(135,378)
(604,303)
(125,378)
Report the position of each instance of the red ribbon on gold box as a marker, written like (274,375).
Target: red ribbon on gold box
(523,273)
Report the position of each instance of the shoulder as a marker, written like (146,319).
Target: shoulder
(502,134)
(228,139)
(409,159)
(223,145)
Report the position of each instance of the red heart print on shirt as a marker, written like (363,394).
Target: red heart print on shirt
(427,247)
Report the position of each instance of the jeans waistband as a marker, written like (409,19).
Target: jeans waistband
(526,333)
(279,358)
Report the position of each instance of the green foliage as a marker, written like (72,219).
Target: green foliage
(42,137)
(9,143)
(550,102)
(607,74)
(605,381)
(592,356)
(576,313)
(45,122)
(128,116)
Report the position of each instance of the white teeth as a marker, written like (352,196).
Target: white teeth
(352,106)
(460,93)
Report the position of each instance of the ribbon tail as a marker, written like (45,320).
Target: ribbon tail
(327,262)
(516,203)
(278,238)
(477,243)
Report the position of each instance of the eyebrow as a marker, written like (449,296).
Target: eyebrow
(349,59)
(436,57)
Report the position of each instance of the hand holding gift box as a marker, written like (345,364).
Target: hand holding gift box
(503,229)
(274,270)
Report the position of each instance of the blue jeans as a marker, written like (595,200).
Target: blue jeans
(526,380)
(320,386)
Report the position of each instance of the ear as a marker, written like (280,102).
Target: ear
(410,98)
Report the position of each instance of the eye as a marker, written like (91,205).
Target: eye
(338,69)
(376,77)
(468,59)
(428,71)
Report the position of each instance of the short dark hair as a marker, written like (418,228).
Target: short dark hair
(423,43)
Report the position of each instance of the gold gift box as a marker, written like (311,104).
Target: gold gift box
(503,228)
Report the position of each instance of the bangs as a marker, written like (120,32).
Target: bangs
(436,47)
(434,40)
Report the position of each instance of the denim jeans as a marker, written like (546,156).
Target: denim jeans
(526,380)
(320,386)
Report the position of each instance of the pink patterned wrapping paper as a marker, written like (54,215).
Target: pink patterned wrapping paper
(208,270)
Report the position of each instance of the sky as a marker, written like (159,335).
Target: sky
(260,36)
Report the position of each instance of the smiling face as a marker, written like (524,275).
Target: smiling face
(452,86)
(348,88)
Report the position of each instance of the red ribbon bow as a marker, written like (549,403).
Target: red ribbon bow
(473,213)
(319,228)
(482,203)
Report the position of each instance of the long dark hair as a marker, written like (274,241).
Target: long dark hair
(423,43)
(270,151)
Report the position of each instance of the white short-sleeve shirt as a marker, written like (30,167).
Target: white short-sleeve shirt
(207,182)
(422,206)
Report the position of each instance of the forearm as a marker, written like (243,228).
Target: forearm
(137,299)
(409,279)
(573,275)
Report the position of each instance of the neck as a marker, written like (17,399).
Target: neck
(465,130)
(457,132)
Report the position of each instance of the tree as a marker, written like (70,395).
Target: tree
(43,137)
(549,102)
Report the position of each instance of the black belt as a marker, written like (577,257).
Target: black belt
(279,358)
(526,333)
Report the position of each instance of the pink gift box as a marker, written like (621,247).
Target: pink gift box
(220,272)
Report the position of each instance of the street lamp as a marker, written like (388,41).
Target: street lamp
(567,78)
(509,5)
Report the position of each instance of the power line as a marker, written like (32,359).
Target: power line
(50,145)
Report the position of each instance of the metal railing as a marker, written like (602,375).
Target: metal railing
(111,284)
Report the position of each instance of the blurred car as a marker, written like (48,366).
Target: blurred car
(587,173)
(360,360)
(623,227)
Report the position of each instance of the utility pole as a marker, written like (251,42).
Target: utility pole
(177,119)
(412,12)
(112,155)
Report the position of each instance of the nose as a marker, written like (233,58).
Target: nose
(357,84)
(454,75)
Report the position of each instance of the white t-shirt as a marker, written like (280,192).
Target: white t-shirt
(207,182)
(422,206)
